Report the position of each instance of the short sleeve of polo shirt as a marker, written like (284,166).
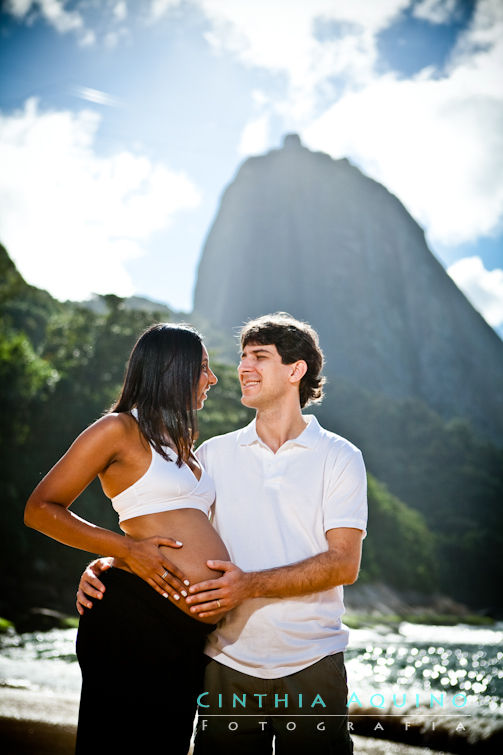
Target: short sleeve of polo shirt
(345,496)
(201,454)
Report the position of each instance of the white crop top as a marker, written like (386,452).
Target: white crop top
(165,487)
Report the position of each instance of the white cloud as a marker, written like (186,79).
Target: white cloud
(97,96)
(53,11)
(484,288)
(112,38)
(120,10)
(158,8)
(435,142)
(255,137)
(87,214)
(260,98)
(88,38)
(435,11)
(18,8)
(282,38)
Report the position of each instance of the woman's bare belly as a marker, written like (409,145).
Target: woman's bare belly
(200,543)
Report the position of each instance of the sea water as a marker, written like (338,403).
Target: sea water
(446,669)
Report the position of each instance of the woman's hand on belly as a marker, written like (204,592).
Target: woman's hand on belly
(147,559)
(200,543)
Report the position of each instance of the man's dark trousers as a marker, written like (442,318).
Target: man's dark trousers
(305,712)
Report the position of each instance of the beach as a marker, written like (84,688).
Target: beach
(37,723)
(41,723)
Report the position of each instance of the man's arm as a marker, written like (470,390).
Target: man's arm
(90,586)
(339,565)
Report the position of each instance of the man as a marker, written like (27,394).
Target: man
(291,508)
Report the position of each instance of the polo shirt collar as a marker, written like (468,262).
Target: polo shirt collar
(308,437)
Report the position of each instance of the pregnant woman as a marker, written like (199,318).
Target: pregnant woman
(140,652)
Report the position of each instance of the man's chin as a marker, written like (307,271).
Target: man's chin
(248,402)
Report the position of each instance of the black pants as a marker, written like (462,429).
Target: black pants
(305,712)
(142,665)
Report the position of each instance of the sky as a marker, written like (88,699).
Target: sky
(122,121)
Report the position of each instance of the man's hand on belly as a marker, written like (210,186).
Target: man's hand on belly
(213,596)
(336,566)
(90,586)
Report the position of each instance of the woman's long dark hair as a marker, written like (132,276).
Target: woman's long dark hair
(161,383)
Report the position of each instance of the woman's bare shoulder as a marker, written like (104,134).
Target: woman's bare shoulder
(114,427)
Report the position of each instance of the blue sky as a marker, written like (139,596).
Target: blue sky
(122,122)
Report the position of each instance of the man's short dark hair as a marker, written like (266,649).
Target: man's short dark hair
(294,340)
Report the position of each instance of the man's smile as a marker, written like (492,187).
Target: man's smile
(249,382)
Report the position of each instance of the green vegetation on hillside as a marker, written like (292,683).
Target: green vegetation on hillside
(444,471)
(399,548)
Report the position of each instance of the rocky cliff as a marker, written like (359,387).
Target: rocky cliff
(301,232)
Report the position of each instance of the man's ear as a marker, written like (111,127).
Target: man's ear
(298,370)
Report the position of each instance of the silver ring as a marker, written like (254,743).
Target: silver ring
(218,603)
(163,576)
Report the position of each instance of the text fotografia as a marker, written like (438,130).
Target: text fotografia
(321,725)
(292,703)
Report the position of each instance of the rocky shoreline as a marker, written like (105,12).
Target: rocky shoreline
(381,601)
(365,603)
(450,733)
(43,723)
(35,723)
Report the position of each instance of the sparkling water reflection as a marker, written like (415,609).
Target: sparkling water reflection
(40,661)
(461,662)
(413,660)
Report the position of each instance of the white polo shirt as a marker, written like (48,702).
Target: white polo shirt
(272,510)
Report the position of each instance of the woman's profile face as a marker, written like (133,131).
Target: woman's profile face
(207,378)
